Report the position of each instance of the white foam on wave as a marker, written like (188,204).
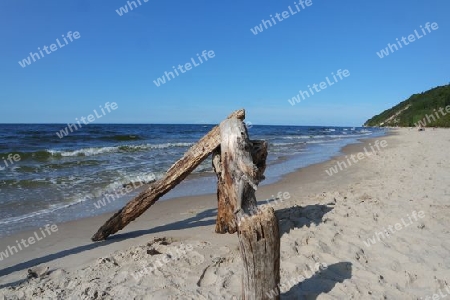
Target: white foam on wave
(296,137)
(83,152)
(320,142)
(51,208)
(80,198)
(285,144)
(169,145)
(122,148)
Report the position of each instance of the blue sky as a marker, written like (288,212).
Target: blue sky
(118,57)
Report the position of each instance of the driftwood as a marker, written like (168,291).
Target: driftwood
(179,171)
(227,206)
(259,241)
(237,175)
(239,165)
(258,234)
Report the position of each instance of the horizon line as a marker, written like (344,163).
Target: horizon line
(200,124)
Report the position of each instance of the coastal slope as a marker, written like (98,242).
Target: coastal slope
(428,109)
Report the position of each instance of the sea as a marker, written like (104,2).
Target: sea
(63,179)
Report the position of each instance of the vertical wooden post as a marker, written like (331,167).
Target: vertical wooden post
(255,159)
(259,241)
(239,165)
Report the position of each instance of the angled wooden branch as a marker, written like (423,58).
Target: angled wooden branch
(179,171)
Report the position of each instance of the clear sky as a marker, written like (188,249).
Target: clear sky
(117,58)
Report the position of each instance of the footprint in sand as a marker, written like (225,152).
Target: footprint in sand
(208,277)
(361,256)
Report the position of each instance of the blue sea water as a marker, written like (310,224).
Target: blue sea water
(60,179)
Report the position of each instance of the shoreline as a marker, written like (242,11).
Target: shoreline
(136,233)
(196,184)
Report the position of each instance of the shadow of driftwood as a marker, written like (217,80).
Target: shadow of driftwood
(195,221)
(299,216)
(44,259)
(289,218)
(321,282)
(12,283)
(204,218)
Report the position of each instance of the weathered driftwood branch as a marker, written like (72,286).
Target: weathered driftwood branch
(179,171)
(240,168)
(236,165)
(226,206)
(259,241)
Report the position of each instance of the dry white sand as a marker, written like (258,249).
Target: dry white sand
(327,221)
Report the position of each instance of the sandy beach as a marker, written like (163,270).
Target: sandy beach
(376,229)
